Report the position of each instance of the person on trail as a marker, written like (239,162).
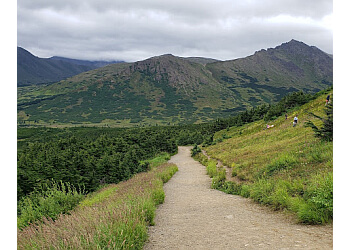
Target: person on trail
(327,100)
(295,121)
(286,116)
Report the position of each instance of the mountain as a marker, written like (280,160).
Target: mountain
(270,74)
(34,70)
(168,89)
(93,64)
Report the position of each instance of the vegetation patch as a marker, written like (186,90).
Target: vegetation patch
(47,202)
(119,222)
(284,167)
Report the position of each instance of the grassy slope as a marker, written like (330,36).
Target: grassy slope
(114,217)
(284,166)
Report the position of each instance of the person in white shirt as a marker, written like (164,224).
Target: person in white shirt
(295,121)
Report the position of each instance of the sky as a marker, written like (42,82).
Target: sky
(134,30)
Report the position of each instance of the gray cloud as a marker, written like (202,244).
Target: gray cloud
(136,29)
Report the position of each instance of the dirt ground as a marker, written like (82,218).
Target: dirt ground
(194,216)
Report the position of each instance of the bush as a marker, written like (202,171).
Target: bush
(195,150)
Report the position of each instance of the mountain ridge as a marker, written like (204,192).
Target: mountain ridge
(168,89)
(32,69)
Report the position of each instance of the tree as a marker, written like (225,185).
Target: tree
(325,131)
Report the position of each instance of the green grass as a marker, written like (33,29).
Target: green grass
(117,222)
(50,201)
(160,159)
(284,167)
(216,173)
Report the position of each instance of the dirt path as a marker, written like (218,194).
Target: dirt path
(194,216)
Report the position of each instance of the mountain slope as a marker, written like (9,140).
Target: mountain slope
(168,89)
(35,70)
(270,74)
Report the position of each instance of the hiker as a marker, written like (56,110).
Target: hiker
(269,126)
(327,100)
(286,116)
(295,121)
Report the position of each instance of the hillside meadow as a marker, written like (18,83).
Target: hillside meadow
(284,167)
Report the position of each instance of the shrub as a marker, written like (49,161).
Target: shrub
(195,150)
(325,132)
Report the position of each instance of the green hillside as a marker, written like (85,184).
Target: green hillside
(269,74)
(285,167)
(172,90)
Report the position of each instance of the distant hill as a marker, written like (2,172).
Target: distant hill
(34,70)
(94,64)
(169,90)
(269,74)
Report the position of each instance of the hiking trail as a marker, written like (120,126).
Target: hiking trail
(194,216)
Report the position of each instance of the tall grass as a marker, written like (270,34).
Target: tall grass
(217,174)
(284,167)
(48,201)
(118,219)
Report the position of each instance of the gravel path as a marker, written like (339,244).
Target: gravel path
(194,216)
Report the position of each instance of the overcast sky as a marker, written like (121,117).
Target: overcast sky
(133,30)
